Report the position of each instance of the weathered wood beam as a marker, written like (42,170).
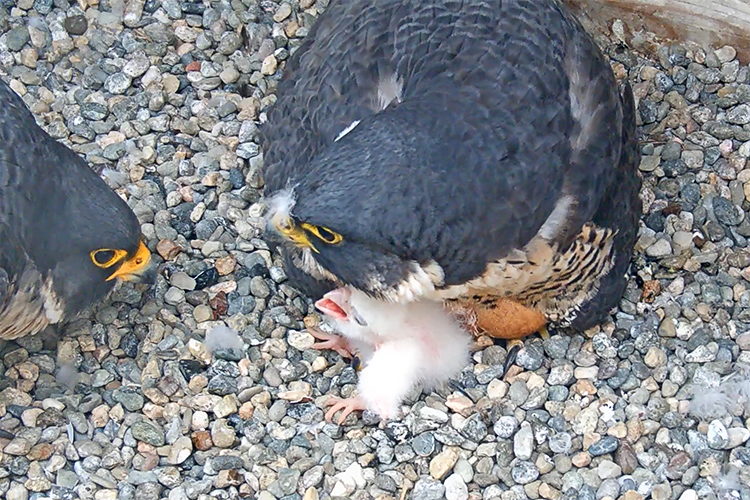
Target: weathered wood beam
(708,23)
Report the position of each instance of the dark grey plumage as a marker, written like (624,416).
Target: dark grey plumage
(489,133)
(55,211)
(621,208)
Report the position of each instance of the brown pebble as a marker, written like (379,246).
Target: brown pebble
(228,478)
(101,352)
(115,384)
(198,383)
(246,410)
(673,208)
(41,451)
(225,265)
(625,457)
(290,29)
(25,385)
(193,66)
(246,491)
(187,193)
(152,411)
(585,388)
(151,461)
(482,342)
(311,321)
(168,249)
(678,464)
(651,289)
(201,440)
(145,448)
(548,492)
(100,415)
(581,459)
(87,343)
(156,396)
(619,70)
(28,370)
(635,429)
(632,495)
(219,303)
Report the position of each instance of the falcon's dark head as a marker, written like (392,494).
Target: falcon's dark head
(320,257)
(334,230)
(93,242)
(107,248)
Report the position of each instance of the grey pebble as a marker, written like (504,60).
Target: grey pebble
(607,444)
(505,426)
(423,444)
(148,432)
(427,489)
(524,472)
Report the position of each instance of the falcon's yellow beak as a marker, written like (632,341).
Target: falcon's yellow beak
(136,265)
(299,235)
(287,227)
(130,269)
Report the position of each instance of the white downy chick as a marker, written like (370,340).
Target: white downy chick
(400,345)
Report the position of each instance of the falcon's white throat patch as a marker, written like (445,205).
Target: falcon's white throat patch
(32,306)
(53,308)
(421,283)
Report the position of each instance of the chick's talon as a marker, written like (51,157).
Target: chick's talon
(514,346)
(346,406)
(331,341)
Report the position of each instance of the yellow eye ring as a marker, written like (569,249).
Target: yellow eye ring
(117,255)
(323,233)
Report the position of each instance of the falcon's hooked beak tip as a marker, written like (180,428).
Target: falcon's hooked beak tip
(286,227)
(137,269)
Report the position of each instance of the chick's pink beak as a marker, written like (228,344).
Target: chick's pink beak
(333,303)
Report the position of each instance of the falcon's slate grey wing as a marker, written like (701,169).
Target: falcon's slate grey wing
(621,208)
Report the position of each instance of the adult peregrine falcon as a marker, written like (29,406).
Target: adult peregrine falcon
(477,152)
(65,236)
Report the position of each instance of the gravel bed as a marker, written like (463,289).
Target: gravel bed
(138,401)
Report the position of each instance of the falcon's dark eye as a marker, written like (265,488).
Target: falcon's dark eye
(102,257)
(323,233)
(327,235)
(105,257)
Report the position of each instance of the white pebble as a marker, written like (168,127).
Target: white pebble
(455,488)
